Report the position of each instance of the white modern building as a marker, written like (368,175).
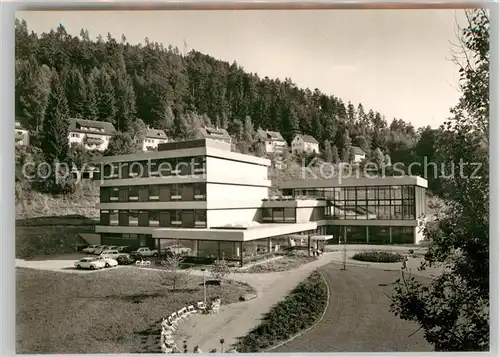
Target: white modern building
(22,136)
(94,135)
(153,138)
(214,202)
(272,141)
(304,143)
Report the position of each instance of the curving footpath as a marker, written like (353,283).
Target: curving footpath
(357,318)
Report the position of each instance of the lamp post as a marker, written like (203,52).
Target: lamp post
(204,287)
(221,345)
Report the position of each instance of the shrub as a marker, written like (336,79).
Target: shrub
(298,311)
(379,257)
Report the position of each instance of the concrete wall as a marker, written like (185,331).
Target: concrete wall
(219,170)
(221,217)
(251,195)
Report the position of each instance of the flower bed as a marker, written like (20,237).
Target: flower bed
(379,257)
(298,311)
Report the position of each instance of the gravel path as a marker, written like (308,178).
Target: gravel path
(358,317)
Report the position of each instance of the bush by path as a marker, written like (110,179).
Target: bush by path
(379,257)
(298,311)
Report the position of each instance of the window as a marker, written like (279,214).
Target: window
(113,218)
(143,218)
(164,218)
(154,192)
(133,193)
(123,218)
(267,215)
(200,218)
(200,190)
(123,194)
(279,215)
(290,215)
(104,194)
(154,218)
(104,218)
(176,216)
(175,193)
(114,194)
(133,218)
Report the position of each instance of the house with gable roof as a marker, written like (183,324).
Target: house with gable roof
(304,143)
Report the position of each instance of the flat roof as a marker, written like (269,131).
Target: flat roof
(209,150)
(355,181)
(233,234)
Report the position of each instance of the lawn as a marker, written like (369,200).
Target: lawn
(284,264)
(114,311)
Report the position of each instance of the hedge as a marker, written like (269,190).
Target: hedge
(298,311)
(379,257)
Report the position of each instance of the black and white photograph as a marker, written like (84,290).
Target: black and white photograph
(252,181)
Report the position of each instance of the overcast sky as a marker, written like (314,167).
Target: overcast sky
(396,62)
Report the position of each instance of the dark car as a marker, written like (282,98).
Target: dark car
(125,260)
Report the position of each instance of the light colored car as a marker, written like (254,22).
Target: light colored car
(108,262)
(146,252)
(111,253)
(90,263)
(99,249)
(90,249)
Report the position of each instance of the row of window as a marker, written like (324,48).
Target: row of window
(149,218)
(364,211)
(279,215)
(184,166)
(155,193)
(356,193)
(373,234)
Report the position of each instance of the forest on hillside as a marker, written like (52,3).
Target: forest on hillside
(60,76)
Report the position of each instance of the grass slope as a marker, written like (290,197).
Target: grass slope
(111,311)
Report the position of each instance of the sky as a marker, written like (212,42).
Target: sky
(396,62)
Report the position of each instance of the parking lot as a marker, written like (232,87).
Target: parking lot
(62,263)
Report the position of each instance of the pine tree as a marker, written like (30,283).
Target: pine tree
(32,91)
(90,106)
(335,155)
(327,152)
(124,99)
(346,146)
(378,158)
(76,92)
(106,97)
(120,144)
(55,139)
(167,122)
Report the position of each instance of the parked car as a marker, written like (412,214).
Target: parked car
(110,253)
(108,262)
(123,249)
(90,263)
(113,247)
(99,249)
(125,260)
(90,249)
(179,249)
(146,252)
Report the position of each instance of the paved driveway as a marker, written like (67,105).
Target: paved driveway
(63,263)
(358,317)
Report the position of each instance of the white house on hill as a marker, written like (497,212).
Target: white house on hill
(218,134)
(304,143)
(359,154)
(94,135)
(153,138)
(272,141)
(22,136)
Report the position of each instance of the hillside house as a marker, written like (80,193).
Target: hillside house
(22,136)
(304,143)
(217,134)
(359,154)
(153,138)
(94,135)
(272,142)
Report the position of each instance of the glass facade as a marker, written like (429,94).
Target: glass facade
(372,234)
(155,193)
(279,215)
(379,202)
